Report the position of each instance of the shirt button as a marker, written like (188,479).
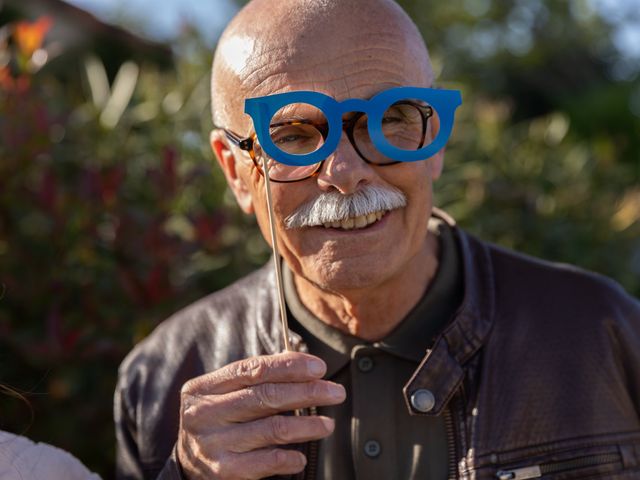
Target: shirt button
(365,364)
(423,400)
(372,449)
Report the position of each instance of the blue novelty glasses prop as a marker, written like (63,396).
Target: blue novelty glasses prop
(390,127)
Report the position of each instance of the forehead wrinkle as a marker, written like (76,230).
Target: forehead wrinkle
(327,85)
(355,57)
(391,69)
(279,56)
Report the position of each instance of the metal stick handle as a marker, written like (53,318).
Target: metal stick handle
(276,257)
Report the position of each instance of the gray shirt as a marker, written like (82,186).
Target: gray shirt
(375,437)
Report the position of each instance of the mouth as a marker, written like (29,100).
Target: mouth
(356,223)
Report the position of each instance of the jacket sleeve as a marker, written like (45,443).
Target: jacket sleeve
(171,469)
(625,334)
(128,464)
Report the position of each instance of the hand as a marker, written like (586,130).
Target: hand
(229,422)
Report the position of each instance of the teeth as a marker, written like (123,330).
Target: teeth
(348,224)
(356,222)
(361,221)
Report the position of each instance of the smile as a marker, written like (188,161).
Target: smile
(361,221)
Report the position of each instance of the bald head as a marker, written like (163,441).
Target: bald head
(340,47)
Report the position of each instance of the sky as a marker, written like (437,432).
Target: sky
(162,20)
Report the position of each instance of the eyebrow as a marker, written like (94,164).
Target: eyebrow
(280,118)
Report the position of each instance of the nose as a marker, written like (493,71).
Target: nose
(344,170)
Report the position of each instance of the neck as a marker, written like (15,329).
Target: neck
(372,313)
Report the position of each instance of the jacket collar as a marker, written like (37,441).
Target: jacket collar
(441,371)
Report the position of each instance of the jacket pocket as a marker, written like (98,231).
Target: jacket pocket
(611,456)
(578,465)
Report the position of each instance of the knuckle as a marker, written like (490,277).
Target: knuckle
(220,467)
(280,429)
(279,458)
(269,395)
(252,368)
(187,388)
(228,466)
(189,411)
(189,417)
(314,390)
(290,362)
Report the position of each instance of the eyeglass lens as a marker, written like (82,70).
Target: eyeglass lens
(297,129)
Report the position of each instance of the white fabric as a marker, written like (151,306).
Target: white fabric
(22,459)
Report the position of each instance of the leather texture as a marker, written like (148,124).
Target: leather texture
(539,367)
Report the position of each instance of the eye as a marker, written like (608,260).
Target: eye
(395,114)
(289,134)
(281,140)
(388,118)
(296,139)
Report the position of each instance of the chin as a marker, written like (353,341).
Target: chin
(338,275)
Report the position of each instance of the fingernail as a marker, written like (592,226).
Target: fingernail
(336,391)
(316,367)
(327,423)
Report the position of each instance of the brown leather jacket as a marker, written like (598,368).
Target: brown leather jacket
(537,374)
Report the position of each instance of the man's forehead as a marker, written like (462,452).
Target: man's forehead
(344,56)
(346,66)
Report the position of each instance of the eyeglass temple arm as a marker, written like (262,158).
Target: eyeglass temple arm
(235,138)
(242,143)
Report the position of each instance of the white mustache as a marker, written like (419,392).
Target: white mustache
(334,207)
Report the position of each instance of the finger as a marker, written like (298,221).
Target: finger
(263,463)
(201,415)
(267,399)
(282,367)
(274,430)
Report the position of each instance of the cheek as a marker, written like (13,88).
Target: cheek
(414,180)
(285,199)
(288,197)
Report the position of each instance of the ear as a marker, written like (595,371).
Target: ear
(436,162)
(228,162)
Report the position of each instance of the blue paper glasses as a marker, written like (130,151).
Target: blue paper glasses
(296,131)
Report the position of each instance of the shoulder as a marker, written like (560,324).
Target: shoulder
(24,459)
(544,309)
(522,280)
(206,334)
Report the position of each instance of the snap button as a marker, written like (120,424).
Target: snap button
(365,364)
(372,449)
(423,400)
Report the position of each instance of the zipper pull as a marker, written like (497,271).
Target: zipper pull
(519,473)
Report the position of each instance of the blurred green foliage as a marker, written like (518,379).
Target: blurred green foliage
(112,214)
(110,219)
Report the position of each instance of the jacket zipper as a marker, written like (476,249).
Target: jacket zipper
(537,471)
(451,443)
(311,470)
(312,461)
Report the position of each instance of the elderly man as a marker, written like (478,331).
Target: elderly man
(420,351)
